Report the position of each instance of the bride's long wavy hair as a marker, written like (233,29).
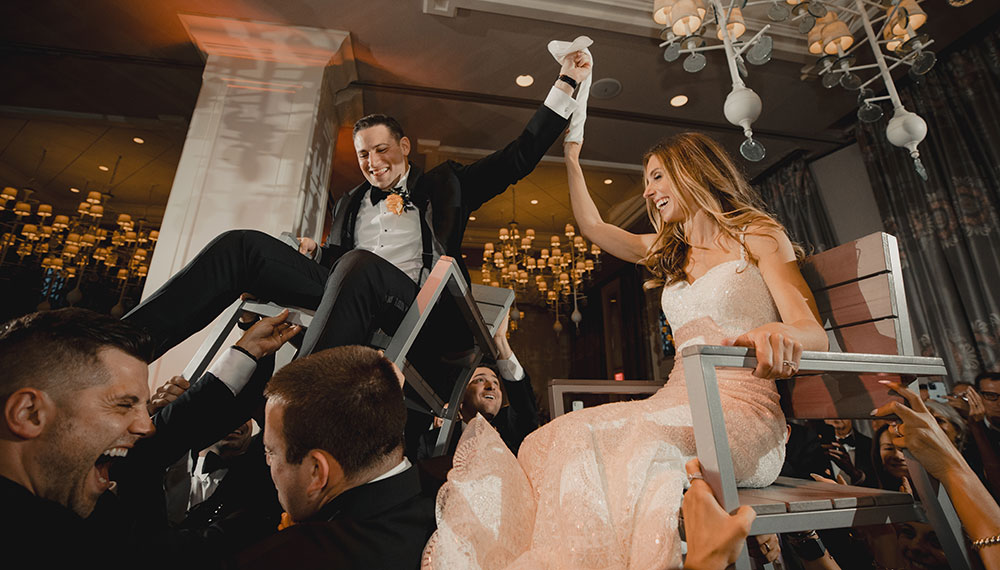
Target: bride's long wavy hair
(704,178)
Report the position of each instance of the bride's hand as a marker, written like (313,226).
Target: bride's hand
(778,354)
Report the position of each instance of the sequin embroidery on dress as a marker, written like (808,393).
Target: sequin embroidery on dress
(601,487)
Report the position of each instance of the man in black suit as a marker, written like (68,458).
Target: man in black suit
(386,235)
(74,397)
(850,454)
(333,436)
(245,510)
(484,396)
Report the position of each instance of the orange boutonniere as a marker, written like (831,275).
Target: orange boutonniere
(394,203)
(286,521)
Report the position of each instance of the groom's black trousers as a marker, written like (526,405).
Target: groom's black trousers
(358,294)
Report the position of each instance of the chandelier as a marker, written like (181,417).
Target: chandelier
(68,246)
(827,26)
(556,273)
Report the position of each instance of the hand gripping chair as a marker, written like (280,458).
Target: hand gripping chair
(476,311)
(859,291)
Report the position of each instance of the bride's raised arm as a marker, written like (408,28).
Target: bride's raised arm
(620,243)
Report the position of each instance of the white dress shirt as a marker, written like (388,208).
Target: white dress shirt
(394,238)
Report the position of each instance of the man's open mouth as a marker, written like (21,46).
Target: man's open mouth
(103,465)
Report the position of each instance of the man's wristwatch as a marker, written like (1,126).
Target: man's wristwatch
(568,81)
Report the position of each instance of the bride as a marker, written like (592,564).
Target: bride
(601,487)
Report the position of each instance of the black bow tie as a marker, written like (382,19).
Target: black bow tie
(849,440)
(378,194)
(213,462)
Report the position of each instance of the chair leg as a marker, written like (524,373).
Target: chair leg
(210,347)
(940,514)
(451,414)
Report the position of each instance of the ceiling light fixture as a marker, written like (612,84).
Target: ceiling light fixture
(678,100)
(103,168)
(138,140)
(534,201)
(828,27)
(608,181)
(524,80)
(472,218)
(74,190)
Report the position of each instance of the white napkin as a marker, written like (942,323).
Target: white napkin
(560,50)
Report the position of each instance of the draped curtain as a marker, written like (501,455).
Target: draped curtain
(790,193)
(948,226)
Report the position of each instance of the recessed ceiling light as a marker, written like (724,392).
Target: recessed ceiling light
(524,80)
(472,218)
(678,100)
(103,168)
(74,190)
(138,140)
(608,181)
(534,201)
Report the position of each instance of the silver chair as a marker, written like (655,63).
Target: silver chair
(859,291)
(482,309)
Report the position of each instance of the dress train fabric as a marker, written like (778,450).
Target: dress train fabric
(601,487)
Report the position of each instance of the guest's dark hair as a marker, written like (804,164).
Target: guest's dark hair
(346,401)
(885,480)
(57,351)
(376,119)
(992,376)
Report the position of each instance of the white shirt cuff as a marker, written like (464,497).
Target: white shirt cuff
(561,103)
(234,369)
(510,369)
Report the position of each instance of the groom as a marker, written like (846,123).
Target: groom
(386,235)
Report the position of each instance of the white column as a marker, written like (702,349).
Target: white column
(259,147)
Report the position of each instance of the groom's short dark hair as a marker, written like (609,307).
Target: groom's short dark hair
(376,119)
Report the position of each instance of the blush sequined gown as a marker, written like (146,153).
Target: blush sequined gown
(601,487)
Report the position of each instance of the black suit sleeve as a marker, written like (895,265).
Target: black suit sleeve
(492,174)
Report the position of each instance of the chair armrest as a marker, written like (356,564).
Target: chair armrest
(700,363)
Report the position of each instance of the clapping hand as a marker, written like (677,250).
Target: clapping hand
(836,452)
(969,405)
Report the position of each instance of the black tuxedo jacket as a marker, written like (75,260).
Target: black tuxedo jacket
(513,422)
(243,509)
(205,413)
(378,526)
(449,192)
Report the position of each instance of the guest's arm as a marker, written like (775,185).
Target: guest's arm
(975,419)
(921,435)
(714,537)
(522,413)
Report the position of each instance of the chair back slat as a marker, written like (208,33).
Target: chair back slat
(834,395)
(876,337)
(869,299)
(859,294)
(858,259)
